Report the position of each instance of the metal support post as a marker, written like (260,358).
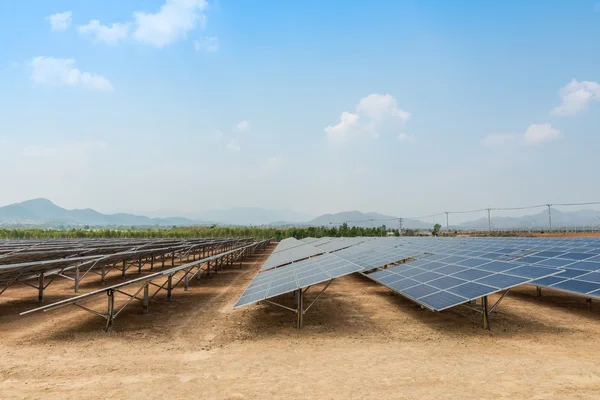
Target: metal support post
(76,279)
(151,262)
(169,287)
(538,291)
(123,268)
(103,273)
(486,317)
(208,268)
(186,280)
(163,260)
(140,265)
(41,288)
(300,308)
(110,314)
(589,302)
(146,299)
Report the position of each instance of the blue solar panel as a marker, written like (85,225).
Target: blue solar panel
(496,266)
(426,277)
(577,286)
(591,277)
(442,300)
(576,256)
(471,274)
(471,290)
(419,291)
(530,272)
(555,262)
(502,281)
(450,269)
(403,284)
(585,266)
(446,282)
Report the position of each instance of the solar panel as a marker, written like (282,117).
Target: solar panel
(445,286)
(292,277)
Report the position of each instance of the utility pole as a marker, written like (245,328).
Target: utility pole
(400,220)
(447,227)
(489,220)
(549,216)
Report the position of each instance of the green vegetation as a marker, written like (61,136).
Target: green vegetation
(204,231)
(436,229)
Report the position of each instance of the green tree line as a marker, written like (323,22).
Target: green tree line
(197,232)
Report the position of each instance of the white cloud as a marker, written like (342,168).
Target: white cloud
(576,97)
(104,33)
(381,106)
(75,149)
(62,72)
(375,114)
(174,20)
(403,137)
(207,44)
(347,128)
(539,133)
(234,146)
(243,126)
(534,135)
(60,21)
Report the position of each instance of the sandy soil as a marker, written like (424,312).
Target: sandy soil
(359,341)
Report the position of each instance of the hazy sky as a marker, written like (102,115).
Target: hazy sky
(401,107)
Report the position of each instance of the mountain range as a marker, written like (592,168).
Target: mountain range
(42,212)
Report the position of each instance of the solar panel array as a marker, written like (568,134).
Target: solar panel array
(294,276)
(453,280)
(290,254)
(439,273)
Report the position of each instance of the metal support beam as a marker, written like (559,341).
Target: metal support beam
(76,279)
(169,287)
(41,288)
(110,314)
(146,299)
(486,316)
(300,309)
(499,300)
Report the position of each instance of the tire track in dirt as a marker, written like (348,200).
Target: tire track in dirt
(217,323)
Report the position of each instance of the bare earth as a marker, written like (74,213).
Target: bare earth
(359,341)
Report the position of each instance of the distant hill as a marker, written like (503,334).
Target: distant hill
(45,212)
(360,219)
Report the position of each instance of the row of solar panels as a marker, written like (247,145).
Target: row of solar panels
(437,273)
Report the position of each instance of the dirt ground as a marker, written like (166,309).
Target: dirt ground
(360,341)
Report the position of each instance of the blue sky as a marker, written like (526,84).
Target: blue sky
(401,107)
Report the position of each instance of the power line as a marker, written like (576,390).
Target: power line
(470,211)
